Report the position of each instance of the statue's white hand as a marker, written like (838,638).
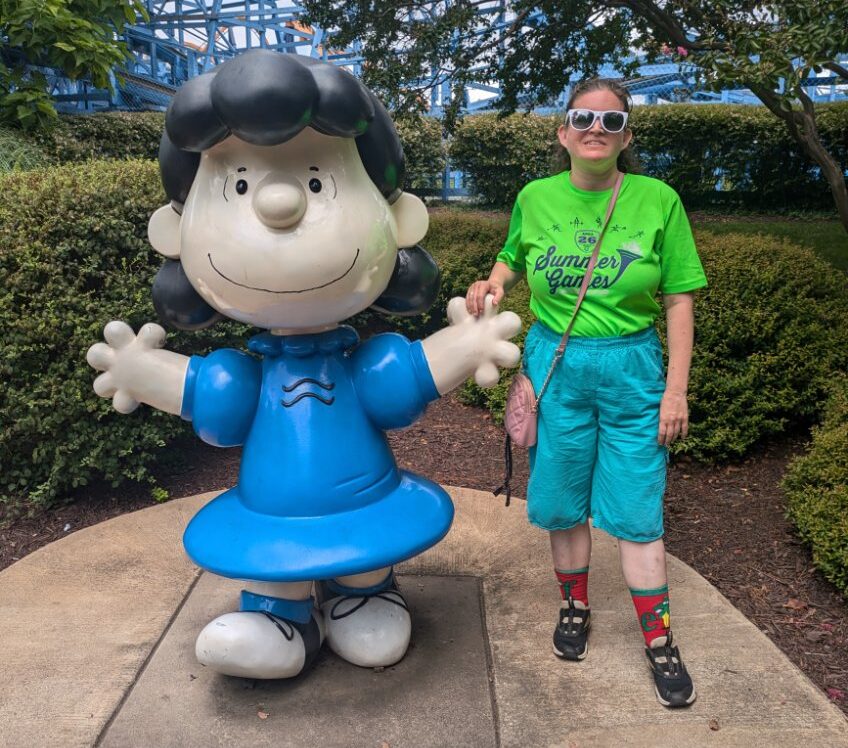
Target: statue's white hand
(126,360)
(486,338)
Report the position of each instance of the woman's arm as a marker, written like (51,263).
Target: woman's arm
(501,279)
(674,409)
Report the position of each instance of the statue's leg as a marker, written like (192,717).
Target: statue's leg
(367,618)
(276,634)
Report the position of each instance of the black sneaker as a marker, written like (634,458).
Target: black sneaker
(671,681)
(571,636)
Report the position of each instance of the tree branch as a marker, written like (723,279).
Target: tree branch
(835,67)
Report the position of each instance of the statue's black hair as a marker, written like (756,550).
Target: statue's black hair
(266,98)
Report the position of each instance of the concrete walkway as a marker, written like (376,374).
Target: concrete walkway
(97,648)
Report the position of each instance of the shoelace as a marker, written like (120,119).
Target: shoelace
(669,661)
(571,628)
(278,622)
(384,595)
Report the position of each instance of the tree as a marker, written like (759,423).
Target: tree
(534,48)
(78,37)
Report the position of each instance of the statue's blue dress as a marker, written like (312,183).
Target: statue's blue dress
(319,494)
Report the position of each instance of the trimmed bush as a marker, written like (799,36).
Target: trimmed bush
(104,135)
(713,155)
(19,152)
(499,155)
(771,332)
(132,135)
(816,487)
(74,255)
(425,153)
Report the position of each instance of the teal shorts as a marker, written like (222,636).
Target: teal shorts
(597,453)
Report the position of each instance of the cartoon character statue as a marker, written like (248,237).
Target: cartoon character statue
(284,176)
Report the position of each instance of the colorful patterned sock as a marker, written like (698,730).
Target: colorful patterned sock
(574,583)
(652,611)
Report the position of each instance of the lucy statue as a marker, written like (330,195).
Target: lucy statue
(286,212)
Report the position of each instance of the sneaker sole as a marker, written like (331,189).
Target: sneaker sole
(579,657)
(675,705)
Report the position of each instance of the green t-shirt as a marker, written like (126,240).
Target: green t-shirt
(648,247)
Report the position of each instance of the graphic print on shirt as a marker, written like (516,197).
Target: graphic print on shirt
(564,271)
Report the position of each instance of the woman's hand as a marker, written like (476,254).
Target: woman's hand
(475,298)
(674,417)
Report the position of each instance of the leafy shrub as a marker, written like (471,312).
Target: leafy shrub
(816,487)
(122,135)
(713,155)
(500,155)
(424,149)
(104,135)
(74,255)
(19,152)
(770,333)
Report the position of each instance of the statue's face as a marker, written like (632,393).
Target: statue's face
(289,236)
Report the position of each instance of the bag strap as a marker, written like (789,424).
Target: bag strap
(587,276)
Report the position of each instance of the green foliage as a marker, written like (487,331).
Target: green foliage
(159,494)
(816,487)
(424,150)
(112,135)
(19,152)
(122,135)
(545,45)
(744,151)
(776,49)
(499,155)
(74,255)
(76,36)
(771,332)
(826,238)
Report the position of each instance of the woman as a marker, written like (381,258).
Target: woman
(608,414)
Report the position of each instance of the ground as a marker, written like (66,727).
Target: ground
(726,521)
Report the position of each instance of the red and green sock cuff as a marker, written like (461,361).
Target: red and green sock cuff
(652,611)
(574,583)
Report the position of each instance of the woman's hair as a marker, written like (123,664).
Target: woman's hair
(266,98)
(627,162)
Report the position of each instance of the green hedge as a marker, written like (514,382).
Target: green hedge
(133,135)
(105,135)
(74,255)
(19,152)
(745,151)
(771,328)
(816,487)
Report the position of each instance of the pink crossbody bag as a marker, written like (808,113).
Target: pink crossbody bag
(522,402)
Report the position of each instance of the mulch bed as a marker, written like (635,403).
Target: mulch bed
(727,522)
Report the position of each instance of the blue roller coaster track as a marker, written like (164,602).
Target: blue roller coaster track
(184,38)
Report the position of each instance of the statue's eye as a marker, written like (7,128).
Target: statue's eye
(241,186)
(315,185)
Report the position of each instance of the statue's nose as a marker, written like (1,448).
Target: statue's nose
(279,201)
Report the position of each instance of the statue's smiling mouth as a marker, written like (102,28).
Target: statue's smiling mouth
(271,290)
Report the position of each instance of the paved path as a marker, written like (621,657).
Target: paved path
(97,648)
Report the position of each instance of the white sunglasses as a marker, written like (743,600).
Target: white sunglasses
(583,119)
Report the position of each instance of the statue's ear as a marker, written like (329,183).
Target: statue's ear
(411,218)
(414,285)
(163,231)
